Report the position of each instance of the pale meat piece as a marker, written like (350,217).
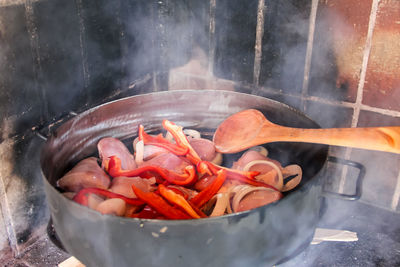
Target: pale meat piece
(168,161)
(123,185)
(114,206)
(94,200)
(151,151)
(87,173)
(110,146)
(203,182)
(257,199)
(204,148)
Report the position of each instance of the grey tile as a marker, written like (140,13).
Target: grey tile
(102,47)
(329,116)
(284,44)
(292,101)
(235,32)
(139,48)
(59,48)
(373,119)
(21,106)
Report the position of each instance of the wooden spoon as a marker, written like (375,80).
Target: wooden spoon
(250,128)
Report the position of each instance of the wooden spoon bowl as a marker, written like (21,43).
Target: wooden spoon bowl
(249,128)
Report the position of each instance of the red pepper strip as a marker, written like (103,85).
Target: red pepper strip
(148,213)
(179,192)
(246,177)
(215,168)
(82,198)
(160,141)
(207,193)
(177,200)
(160,205)
(189,177)
(105,164)
(186,196)
(197,210)
(182,141)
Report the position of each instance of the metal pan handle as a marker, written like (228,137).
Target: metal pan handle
(359,181)
(44,131)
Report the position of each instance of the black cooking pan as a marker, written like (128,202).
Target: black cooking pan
(259,237)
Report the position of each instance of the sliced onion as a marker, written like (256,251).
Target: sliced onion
(260,149)
(209,205)
(232,191)
(291,170)
(192,133)
(229,207)
(227,188)
(220,205)
(139,152)
(237,195)
(270,163)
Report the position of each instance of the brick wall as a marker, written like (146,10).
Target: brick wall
(338,61)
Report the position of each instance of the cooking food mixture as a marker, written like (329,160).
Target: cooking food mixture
(176,176)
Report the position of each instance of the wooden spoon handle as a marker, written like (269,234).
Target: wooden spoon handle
(373,138)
